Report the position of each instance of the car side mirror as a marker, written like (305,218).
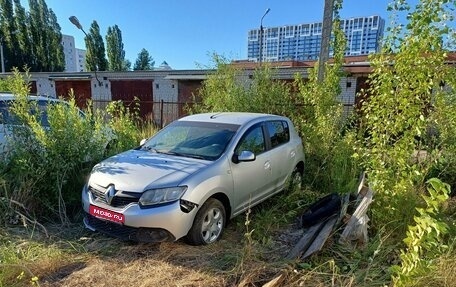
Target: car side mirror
(245,155)
(142,142)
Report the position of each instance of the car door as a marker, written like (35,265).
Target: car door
(251,178)
(281,154)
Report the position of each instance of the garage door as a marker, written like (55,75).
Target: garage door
(82,91)
(127,90)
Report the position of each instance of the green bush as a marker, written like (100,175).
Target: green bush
(409,134)
(228,90)
(46,167)
(124,122)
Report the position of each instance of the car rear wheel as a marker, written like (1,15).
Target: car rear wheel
(208,224)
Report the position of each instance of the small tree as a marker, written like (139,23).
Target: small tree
(144,62)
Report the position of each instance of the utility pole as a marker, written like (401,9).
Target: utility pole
(325,37)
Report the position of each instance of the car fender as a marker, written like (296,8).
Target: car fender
(204,184)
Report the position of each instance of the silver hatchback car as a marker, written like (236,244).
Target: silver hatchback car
(194,175)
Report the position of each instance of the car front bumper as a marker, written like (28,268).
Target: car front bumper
(154,224)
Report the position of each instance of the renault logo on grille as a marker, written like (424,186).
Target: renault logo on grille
(110,193)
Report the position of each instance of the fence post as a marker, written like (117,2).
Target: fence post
(162,103)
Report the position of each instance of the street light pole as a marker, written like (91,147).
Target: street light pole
(261,36)
(1,55)
(78,25)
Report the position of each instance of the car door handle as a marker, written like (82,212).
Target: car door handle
(267,165)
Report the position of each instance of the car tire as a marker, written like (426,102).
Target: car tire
(296,179)
(208,224)
(320,210)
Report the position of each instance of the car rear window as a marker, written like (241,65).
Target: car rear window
(279,133)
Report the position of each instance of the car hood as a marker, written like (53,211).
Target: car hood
(138,170)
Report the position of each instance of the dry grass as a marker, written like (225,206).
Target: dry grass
(73,256)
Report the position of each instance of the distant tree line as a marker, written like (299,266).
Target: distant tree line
(33,39)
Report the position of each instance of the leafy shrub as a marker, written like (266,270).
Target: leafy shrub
(227,90)
(405,140)
(124,123)
(330,165)
(424,238)
(46,167)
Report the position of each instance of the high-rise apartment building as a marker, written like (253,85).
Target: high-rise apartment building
(80,60)
(74,58)
(70,53)
(303,41)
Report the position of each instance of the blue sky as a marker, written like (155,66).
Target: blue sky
(185,32)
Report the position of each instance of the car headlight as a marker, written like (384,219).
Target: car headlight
(161,195)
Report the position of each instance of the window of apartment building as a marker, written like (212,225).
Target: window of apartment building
(272,48)
(304,30)
(342,25)
(289,31)
(316,28)
(358,23)
(356,42)
(375,21)
(272,33)
(253,35)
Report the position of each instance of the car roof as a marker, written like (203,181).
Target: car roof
(10,96)
(239,118)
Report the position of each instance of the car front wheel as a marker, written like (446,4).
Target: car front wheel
(208,224)
(296,179)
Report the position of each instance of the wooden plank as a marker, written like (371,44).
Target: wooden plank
(358,220)
(277,281)
(322,236)
(305,241)
(362,182)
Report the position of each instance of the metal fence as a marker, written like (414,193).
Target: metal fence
(160,113)
(164,112)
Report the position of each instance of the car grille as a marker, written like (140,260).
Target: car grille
(120,231)
(126,232)
(117,201)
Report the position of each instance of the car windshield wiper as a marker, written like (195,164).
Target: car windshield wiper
(183,154)
(151,149)
(148,148)
(193,156)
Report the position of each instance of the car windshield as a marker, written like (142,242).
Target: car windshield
(201,140)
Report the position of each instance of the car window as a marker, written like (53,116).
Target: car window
(279,132)
(41,110)
(253,141)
